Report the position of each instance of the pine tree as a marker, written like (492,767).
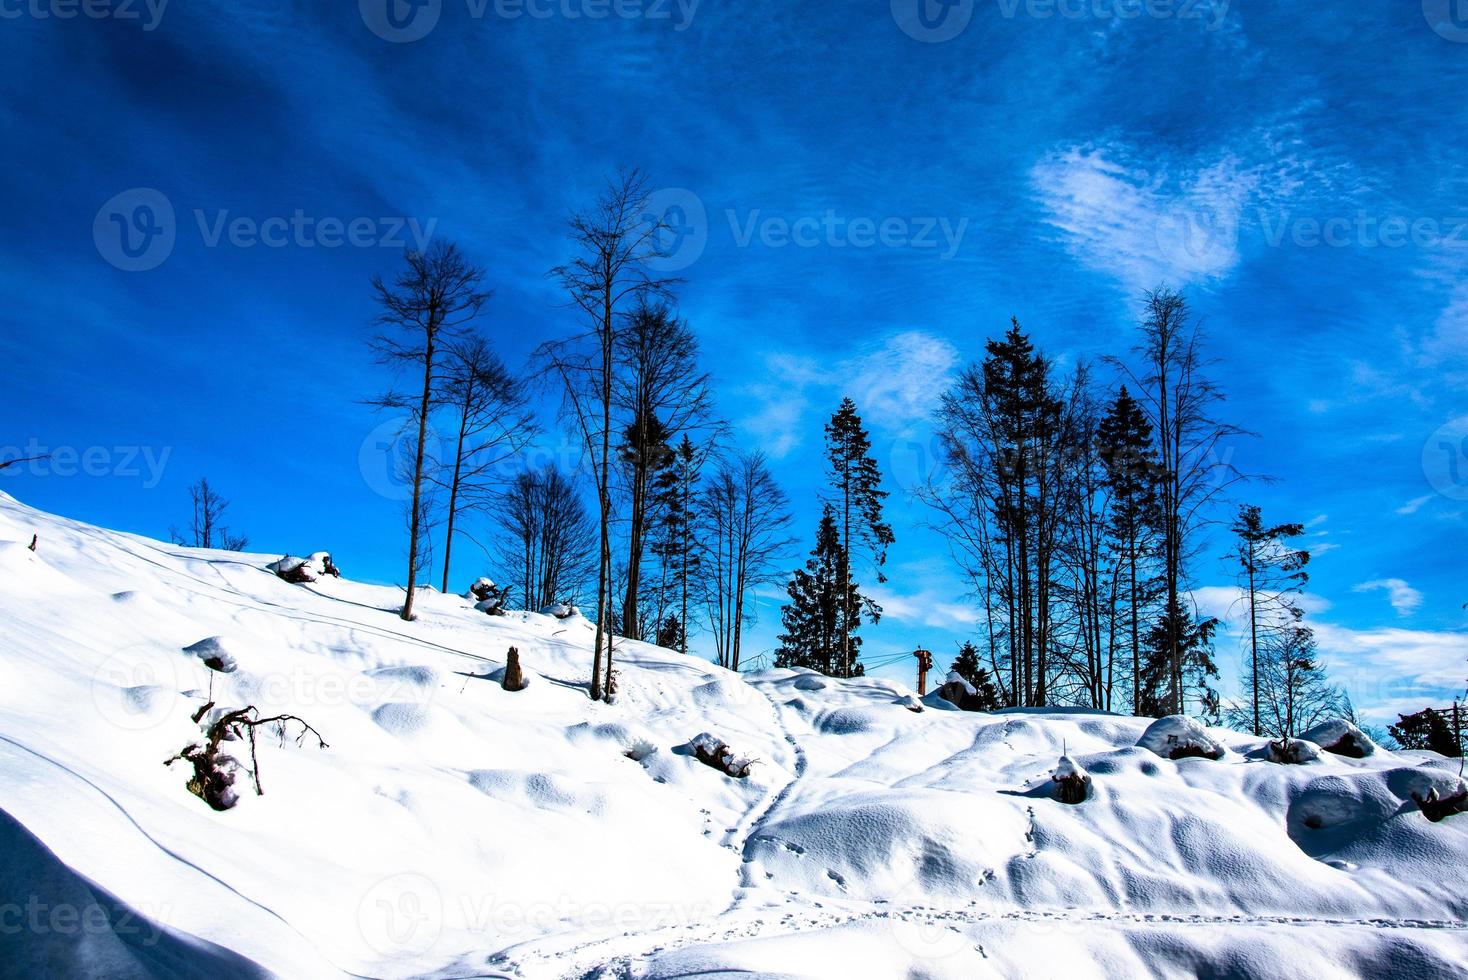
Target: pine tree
(1176,646)
(1427,729)
(675,498)
(857,484)
(1130,460)
(820,631)
(967,666)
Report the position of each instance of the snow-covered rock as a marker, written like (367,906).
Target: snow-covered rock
(1293,751)
(1180,737)
(1340,737)
(303,571)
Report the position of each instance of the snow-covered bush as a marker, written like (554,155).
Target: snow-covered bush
(1293,751)
(214,653)
(488,597)
(561,610)
(956,690)
(1340,737)
(1072,783)
(303,571)
(713,752)
(1180,737)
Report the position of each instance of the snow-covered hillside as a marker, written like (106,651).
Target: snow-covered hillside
(452,828)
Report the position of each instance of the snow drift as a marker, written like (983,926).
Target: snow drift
(453,828)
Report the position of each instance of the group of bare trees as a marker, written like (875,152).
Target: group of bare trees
(682,526)
(681,531)
(1078,514)
(452,375)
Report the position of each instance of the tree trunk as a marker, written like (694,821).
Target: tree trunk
(415,519)
(448,538)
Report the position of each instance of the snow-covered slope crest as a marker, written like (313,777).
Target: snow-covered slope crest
(452,828)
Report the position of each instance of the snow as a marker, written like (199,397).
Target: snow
(452,828)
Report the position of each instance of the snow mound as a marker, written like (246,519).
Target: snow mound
(1177,737)
(1340,737)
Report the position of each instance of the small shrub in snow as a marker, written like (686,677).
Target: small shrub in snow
(1072,783)
(213,653)
(488,597)
(1340,737)
(1179,737)
(712,752)
(1293,751)
(214,772)
(303,571)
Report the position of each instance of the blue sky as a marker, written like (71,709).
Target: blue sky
(873,189)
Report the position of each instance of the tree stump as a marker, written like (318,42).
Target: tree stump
(1072,783)
(514,679)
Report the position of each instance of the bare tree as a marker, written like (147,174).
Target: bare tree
(547,537)
(206,527)
(1271,575)
(746,516)
(431,301)
(612,240)
(1179,399)
(491,426)
(662,393)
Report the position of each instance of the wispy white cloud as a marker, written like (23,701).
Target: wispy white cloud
(896,384)
(1414,505)
(1145,225)
(929,607)
(1404,599)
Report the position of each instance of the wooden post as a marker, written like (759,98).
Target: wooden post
(925,664)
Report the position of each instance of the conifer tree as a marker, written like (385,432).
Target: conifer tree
(1179,646)
(1131,476)
(675,493)
(856,482)
(820,629)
